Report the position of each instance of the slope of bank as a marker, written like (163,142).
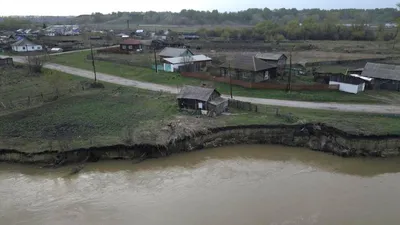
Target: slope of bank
(318,137)
(55,112)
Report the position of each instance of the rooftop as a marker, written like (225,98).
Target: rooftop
(193,92)
(23,42)
(194,58)
(249,63)
(382,71)
(270,56)
(130,41)
(173,52)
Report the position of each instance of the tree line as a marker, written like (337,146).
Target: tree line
(308,29)
(245,17)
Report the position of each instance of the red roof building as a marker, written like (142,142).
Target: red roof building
(130,45)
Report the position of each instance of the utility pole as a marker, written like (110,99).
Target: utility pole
(289,85)
(230,80)
(29,59)
(94,66)
(155,59)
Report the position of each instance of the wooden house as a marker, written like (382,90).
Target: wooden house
(248,68)
(130,45)
(277,59)
(203,99)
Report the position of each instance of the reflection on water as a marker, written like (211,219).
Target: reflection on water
(231,185)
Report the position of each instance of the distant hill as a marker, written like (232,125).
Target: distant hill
(246,17)
(42,19)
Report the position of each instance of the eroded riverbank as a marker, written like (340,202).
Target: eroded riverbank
(316,137)
(250,184)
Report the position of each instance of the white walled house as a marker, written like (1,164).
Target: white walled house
(24,45)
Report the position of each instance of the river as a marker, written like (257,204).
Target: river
(257,185)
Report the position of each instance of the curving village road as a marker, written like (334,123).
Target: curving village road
(382,109)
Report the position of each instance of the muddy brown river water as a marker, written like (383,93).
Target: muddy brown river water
(240,185)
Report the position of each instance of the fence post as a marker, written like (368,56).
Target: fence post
(277,111)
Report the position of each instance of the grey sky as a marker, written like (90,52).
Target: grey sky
(77,7)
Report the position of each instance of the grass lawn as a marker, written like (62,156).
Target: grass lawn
(351,122)
(114,115)
(173,79)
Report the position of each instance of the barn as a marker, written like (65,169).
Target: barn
(386,76)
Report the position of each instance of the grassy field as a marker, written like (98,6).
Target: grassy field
(174,79)
(84,117)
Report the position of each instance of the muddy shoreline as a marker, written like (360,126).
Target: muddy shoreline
(317,137)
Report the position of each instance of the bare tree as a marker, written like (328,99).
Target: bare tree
(35,63)
(187,60)
(397,27)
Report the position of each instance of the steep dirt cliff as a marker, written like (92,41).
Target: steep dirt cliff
(318,137)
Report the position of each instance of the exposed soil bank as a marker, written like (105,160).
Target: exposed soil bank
(317,137)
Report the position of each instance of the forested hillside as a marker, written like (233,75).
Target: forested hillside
(246,17)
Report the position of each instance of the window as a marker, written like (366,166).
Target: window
(23,48)
(123,46)
(33,47)
(130,47)
(39,47)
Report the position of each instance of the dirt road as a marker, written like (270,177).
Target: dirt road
(383,109)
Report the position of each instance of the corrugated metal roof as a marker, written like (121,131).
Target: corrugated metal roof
(248,63)
(193,92)
(269,56)
(361,77)
(382,71)
(194,58)
(173,52)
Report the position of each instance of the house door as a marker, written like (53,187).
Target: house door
(266,75)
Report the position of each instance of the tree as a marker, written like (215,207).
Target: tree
(397,27)
(35,63)
(226,34)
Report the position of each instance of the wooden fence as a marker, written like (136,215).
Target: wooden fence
(294,87)
(247,106)
(6,62)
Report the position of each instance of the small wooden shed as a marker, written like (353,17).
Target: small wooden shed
(208,100)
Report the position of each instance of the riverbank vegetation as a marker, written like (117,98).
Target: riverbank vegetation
(79,116)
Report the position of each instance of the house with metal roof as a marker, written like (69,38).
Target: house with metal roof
(25,45)
(206,100)
(386,76)
(174,52)
(193,63)
(248,68)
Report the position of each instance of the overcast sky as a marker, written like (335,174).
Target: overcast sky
(78,7)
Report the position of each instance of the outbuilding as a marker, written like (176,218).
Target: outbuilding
(386,76)
(191,63)
(206,100)
(349,83)
(277,59)
(25,45)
